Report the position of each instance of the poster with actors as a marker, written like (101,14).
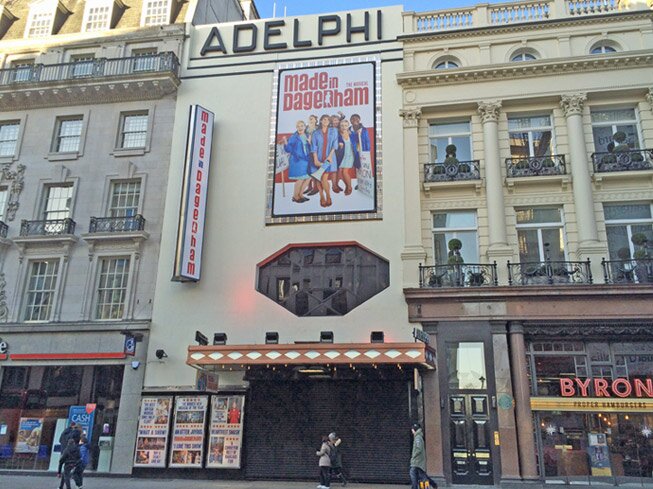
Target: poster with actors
(187,442)
(325,141)
(29,435)
(226,432)
(152,436)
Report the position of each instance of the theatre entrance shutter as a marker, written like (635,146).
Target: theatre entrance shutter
(284,422)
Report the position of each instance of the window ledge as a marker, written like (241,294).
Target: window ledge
(135,236)
(599,178)
(5,242)
(72,155)
(63,243)
(476,184)
(7,160)
(121,152)
(564,180)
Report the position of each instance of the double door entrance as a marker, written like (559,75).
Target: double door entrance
(469,415)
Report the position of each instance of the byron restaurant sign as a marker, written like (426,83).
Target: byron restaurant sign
(571,387)
(190,234)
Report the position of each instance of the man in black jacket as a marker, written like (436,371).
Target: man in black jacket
(70,459)
(71,432)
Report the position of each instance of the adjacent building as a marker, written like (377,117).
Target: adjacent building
(87,107)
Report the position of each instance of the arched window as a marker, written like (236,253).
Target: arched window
(603,48)
(447,64)
(523,56)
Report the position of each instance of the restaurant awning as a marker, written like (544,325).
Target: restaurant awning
(355,354)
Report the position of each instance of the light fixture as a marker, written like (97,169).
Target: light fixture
(220,338)
(161,354)
(377,337)
(326,337)
(201,339)
(271,338)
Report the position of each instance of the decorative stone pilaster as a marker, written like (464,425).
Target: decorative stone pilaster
(16,177)
(498,249)
(572,107)
(4,310)
(649,98)
(413,253)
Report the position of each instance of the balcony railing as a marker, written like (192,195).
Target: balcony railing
(534,166)
(116,224)
(508,13)
(549,273)
(3,229)
(450,172)
(634,160)
(634,271)
(52,227)
(90,69)
(458,275)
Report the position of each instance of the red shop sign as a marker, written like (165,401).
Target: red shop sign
(606,388)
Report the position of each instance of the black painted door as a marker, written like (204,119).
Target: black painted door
(471,455)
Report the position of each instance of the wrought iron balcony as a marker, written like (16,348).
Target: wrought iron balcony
(550,273)
(634,160)
(450,172)
(458,275)
(53,227)
(130,78)
(3,229)
(534,166)
(116,224)
(634,271)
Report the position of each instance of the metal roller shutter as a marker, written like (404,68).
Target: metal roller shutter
(285,422)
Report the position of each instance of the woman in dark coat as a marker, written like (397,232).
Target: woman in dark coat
(70,460)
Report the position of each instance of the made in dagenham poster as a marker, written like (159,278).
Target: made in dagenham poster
(325,141)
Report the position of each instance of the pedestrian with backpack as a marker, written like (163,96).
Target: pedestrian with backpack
(70,459)
(324,463)
(418,457)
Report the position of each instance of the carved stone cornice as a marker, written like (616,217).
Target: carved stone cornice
(410,117)
(16,177)
(489,111)
(572,104)
(590,330)
(649,98)
(4,310)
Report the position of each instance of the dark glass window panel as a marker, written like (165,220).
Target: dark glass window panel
(62,381)
(334,280)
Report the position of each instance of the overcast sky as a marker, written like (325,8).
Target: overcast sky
(303,7)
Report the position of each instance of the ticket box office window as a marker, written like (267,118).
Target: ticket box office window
(593,410)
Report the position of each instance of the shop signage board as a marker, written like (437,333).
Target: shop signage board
(84,417)
(599,454)
(619,387)
(152,437)
(591,404)
(29,435)
(225,432)
(187,445)
(325,137)
(190,233)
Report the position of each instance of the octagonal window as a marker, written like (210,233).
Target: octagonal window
(322,280)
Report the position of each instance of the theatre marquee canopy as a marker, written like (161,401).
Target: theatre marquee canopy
(242,356)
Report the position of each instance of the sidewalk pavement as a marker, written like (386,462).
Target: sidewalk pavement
(51,482)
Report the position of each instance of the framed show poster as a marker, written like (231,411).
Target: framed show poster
(29,435)
(152,437)
(225,432)
(186,448)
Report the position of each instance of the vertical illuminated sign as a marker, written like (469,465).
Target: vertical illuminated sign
(190,234)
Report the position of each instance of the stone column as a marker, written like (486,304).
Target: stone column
(433,421)
(505,405)
(525,435)
(498,249)
(413,253)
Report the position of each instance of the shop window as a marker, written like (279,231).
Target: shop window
(68,132)
(125,198)
(459,225)
(8,137)
(540,234)
(607,123)
(62,381)
(14,378)
(622,222)
(322,280)
(530,136)
(442,135)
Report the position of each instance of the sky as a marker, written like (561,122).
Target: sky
(304,7)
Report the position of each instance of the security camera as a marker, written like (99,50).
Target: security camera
(161,354)
(136,364)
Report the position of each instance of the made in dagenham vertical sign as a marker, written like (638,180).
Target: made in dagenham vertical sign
(190,234)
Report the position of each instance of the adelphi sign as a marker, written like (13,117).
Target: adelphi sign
(275,34)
